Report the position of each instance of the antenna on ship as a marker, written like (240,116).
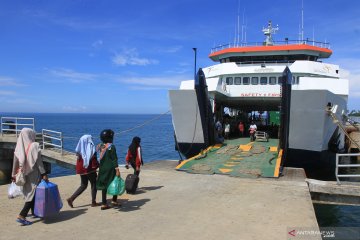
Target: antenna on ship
(243,28)
(313,37)
(238,24)
(268,32)
(302,20)
(237,27)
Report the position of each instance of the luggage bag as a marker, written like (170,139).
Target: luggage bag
(131,183)
(47,199)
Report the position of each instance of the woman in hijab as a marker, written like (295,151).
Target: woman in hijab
(134,156)
(27,158)
(86,166)
(109,166)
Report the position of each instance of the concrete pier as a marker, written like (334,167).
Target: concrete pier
(175,205)
(50,156)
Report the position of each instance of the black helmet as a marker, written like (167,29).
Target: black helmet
(107,136)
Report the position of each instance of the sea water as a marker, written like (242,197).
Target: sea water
(156,133)
(157,140)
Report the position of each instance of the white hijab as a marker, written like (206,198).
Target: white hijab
(86,149)
(26,137)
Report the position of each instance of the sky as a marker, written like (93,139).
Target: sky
(112,56)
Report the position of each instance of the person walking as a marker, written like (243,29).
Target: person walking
(86,165)
(227,130)
(134,156)
(108,166)
(241,129)
(27,158)
(219,129)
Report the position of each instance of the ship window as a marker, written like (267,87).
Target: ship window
(229,81)
(280,80)
(254,81)
(272,80)
(246,80)
(263,80)
(237,81)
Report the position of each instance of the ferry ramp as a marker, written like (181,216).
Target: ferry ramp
(237,158)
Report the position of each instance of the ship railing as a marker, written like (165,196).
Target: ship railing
(52,140)
(274,43)
(351,166)
(13,125)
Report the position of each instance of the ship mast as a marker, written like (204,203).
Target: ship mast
(268,32)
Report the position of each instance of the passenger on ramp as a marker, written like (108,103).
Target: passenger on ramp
(134,156)
(108,166)
(86,165)
(27,158)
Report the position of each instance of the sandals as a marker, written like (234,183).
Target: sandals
(95,204)
(23,221)
(115,204)
(104,207)
(34,216)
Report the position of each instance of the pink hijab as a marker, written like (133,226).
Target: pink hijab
(25,143)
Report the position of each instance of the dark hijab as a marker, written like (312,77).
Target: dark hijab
(134,145)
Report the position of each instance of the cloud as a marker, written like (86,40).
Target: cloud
(97,44)
(131,57)
(151,83)
(172,49)
(7,93)
(8,81)
(73,76)
(74,109)
(350,71)
(21,101)
(354,82)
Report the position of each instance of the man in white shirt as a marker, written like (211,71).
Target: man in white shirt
(252,130)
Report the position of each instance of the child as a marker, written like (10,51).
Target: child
(134,156)
(86,166)
(108,166)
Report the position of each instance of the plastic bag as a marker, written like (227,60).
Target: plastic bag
(47,199)
(116,187)
(14,190)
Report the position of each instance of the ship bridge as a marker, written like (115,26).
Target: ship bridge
(271,51)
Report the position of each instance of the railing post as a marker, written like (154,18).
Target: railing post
(16,127)
(61,143)
(43,139)
(337,169)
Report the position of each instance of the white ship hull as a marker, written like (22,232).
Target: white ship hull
(240,85)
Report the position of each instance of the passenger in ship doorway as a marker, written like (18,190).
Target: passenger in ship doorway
(252,130)
(134,156)
(86,165)
(241,129)
(219,129)
(227,130)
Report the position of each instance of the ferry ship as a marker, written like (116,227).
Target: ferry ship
(257,81)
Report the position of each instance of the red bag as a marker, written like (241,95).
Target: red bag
(93,165)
